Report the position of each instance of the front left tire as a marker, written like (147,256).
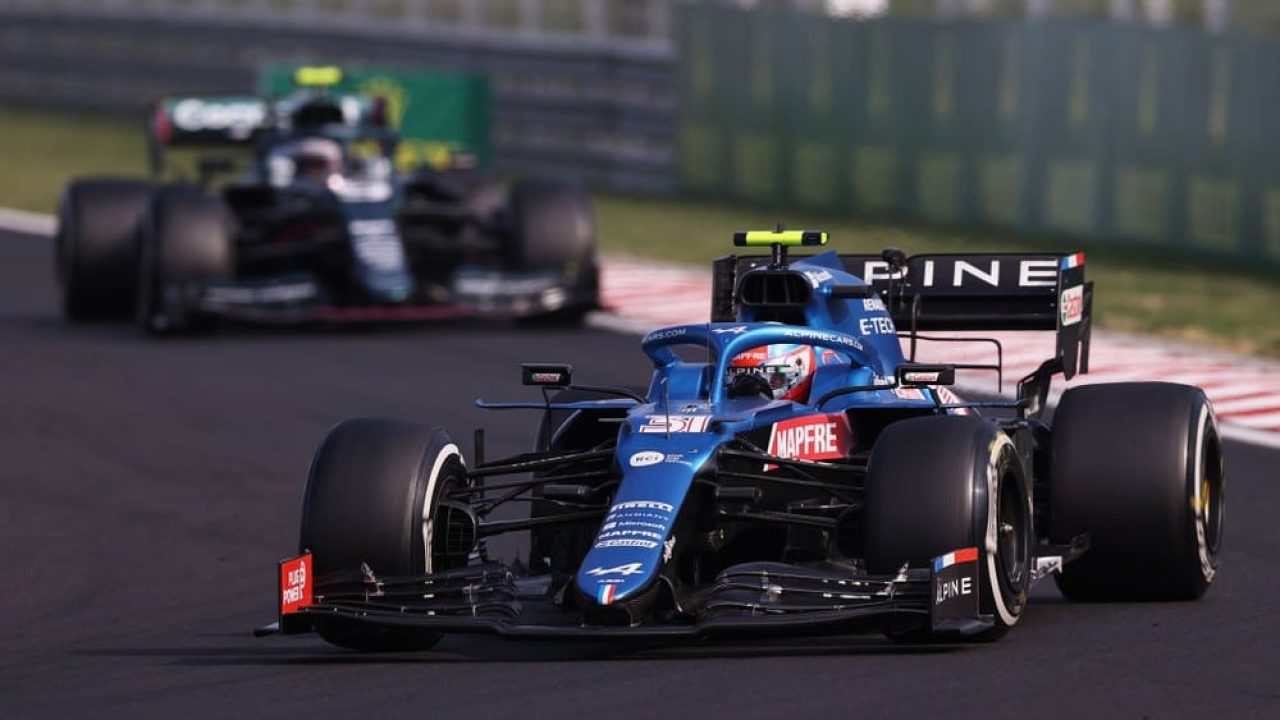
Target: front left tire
(373,498)
(551,228)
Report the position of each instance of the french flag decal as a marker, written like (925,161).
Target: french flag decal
(953,558)
(1073,260)
(605,594)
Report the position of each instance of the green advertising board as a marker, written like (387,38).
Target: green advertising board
(438,114)
(1101,131)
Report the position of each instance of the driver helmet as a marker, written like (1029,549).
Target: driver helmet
(317,159)
(787,368)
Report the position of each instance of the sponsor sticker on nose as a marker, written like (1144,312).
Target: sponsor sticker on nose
(646,458)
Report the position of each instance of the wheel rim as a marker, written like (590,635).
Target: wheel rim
(1211,506)
(1012,553)
(452,475)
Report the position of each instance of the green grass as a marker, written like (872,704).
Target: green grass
(39,151)
(1137,291)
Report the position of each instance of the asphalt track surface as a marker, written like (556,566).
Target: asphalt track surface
(147,489)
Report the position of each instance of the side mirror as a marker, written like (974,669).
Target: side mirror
(546,374)
(894,258)
(914,375)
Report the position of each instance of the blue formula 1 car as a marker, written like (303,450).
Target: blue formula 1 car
(787,471)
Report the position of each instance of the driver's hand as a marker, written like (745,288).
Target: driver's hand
(749,385)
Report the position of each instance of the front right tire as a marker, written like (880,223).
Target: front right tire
(941,483)
(96,247)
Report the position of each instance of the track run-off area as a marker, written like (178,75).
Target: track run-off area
(147,489)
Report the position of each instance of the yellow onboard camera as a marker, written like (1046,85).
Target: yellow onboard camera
(766,238)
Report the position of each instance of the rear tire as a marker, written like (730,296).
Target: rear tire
(186,243)
(968,489)
(552,228)
(96,247)
(372,495)
(1137,466)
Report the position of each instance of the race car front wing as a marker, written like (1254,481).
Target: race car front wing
(300,298)
(753,599)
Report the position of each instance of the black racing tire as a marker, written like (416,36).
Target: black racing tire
(96,247)
(186,243)
(1139,467)
(485,196)
(481,194)
(371,497)
(940,483)
(552,228)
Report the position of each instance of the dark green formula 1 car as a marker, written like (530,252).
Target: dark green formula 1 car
(318,226)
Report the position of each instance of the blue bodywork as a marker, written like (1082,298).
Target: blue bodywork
(666,442)
(757,483)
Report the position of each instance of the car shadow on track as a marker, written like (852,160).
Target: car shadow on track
(304,652)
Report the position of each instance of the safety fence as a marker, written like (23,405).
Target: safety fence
(1093,130)
(616,19)
(599,110)
(1100,130)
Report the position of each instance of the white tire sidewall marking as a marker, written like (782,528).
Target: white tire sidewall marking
(997,446)
(428,528)
(1198,501)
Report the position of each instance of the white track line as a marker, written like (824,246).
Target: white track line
(643,294)
(27,222)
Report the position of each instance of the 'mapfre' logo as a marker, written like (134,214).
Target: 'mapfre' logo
(816,437)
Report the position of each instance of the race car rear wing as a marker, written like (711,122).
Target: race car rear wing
(236,121)
(208,120)
(960,292)
(215,122)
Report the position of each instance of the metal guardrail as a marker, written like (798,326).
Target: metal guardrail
(628,20)
(597,108)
